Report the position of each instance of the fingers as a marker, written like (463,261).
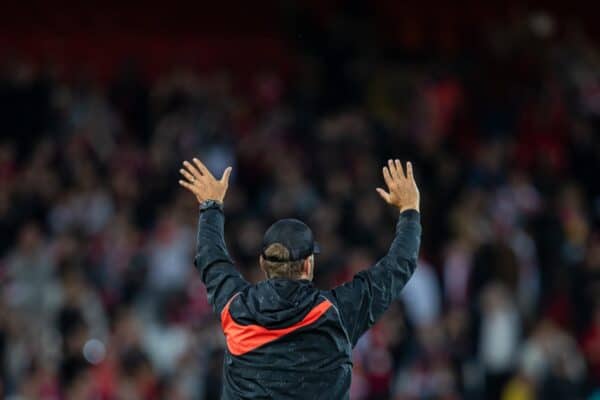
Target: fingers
(399,169)
(188,186)
(393,173)
(225,177)
(389,181)
(384,195)
(202,168)
(187,175)
(409,171)
(192,170)
(395,170)
(392,168)
(197,169)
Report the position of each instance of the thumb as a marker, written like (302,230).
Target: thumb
(225,177)
(384,195)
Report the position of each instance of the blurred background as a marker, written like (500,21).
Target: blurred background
(496,103)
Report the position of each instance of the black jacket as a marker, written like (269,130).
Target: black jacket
(287,339)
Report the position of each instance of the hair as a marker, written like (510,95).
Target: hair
(283,268)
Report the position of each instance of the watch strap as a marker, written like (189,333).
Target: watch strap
(209,204)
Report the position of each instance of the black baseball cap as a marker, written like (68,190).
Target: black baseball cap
(292,234)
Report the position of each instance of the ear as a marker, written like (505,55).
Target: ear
(306,266)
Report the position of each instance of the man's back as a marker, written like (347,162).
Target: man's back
(285,338)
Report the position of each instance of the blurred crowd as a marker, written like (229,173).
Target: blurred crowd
(98,295)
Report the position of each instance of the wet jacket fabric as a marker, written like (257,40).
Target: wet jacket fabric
(285,338)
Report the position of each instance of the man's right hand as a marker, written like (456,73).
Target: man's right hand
(402,189)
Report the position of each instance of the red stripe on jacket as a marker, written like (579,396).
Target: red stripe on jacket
(244,338)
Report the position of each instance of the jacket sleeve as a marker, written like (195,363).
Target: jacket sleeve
(212,260)
(369,294)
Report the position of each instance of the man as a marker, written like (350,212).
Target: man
(285,338)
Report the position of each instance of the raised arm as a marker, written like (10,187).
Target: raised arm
(369,294)
(212,259)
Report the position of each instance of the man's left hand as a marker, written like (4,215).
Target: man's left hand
(202,183)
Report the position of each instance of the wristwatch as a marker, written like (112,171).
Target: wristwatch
(208,204)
